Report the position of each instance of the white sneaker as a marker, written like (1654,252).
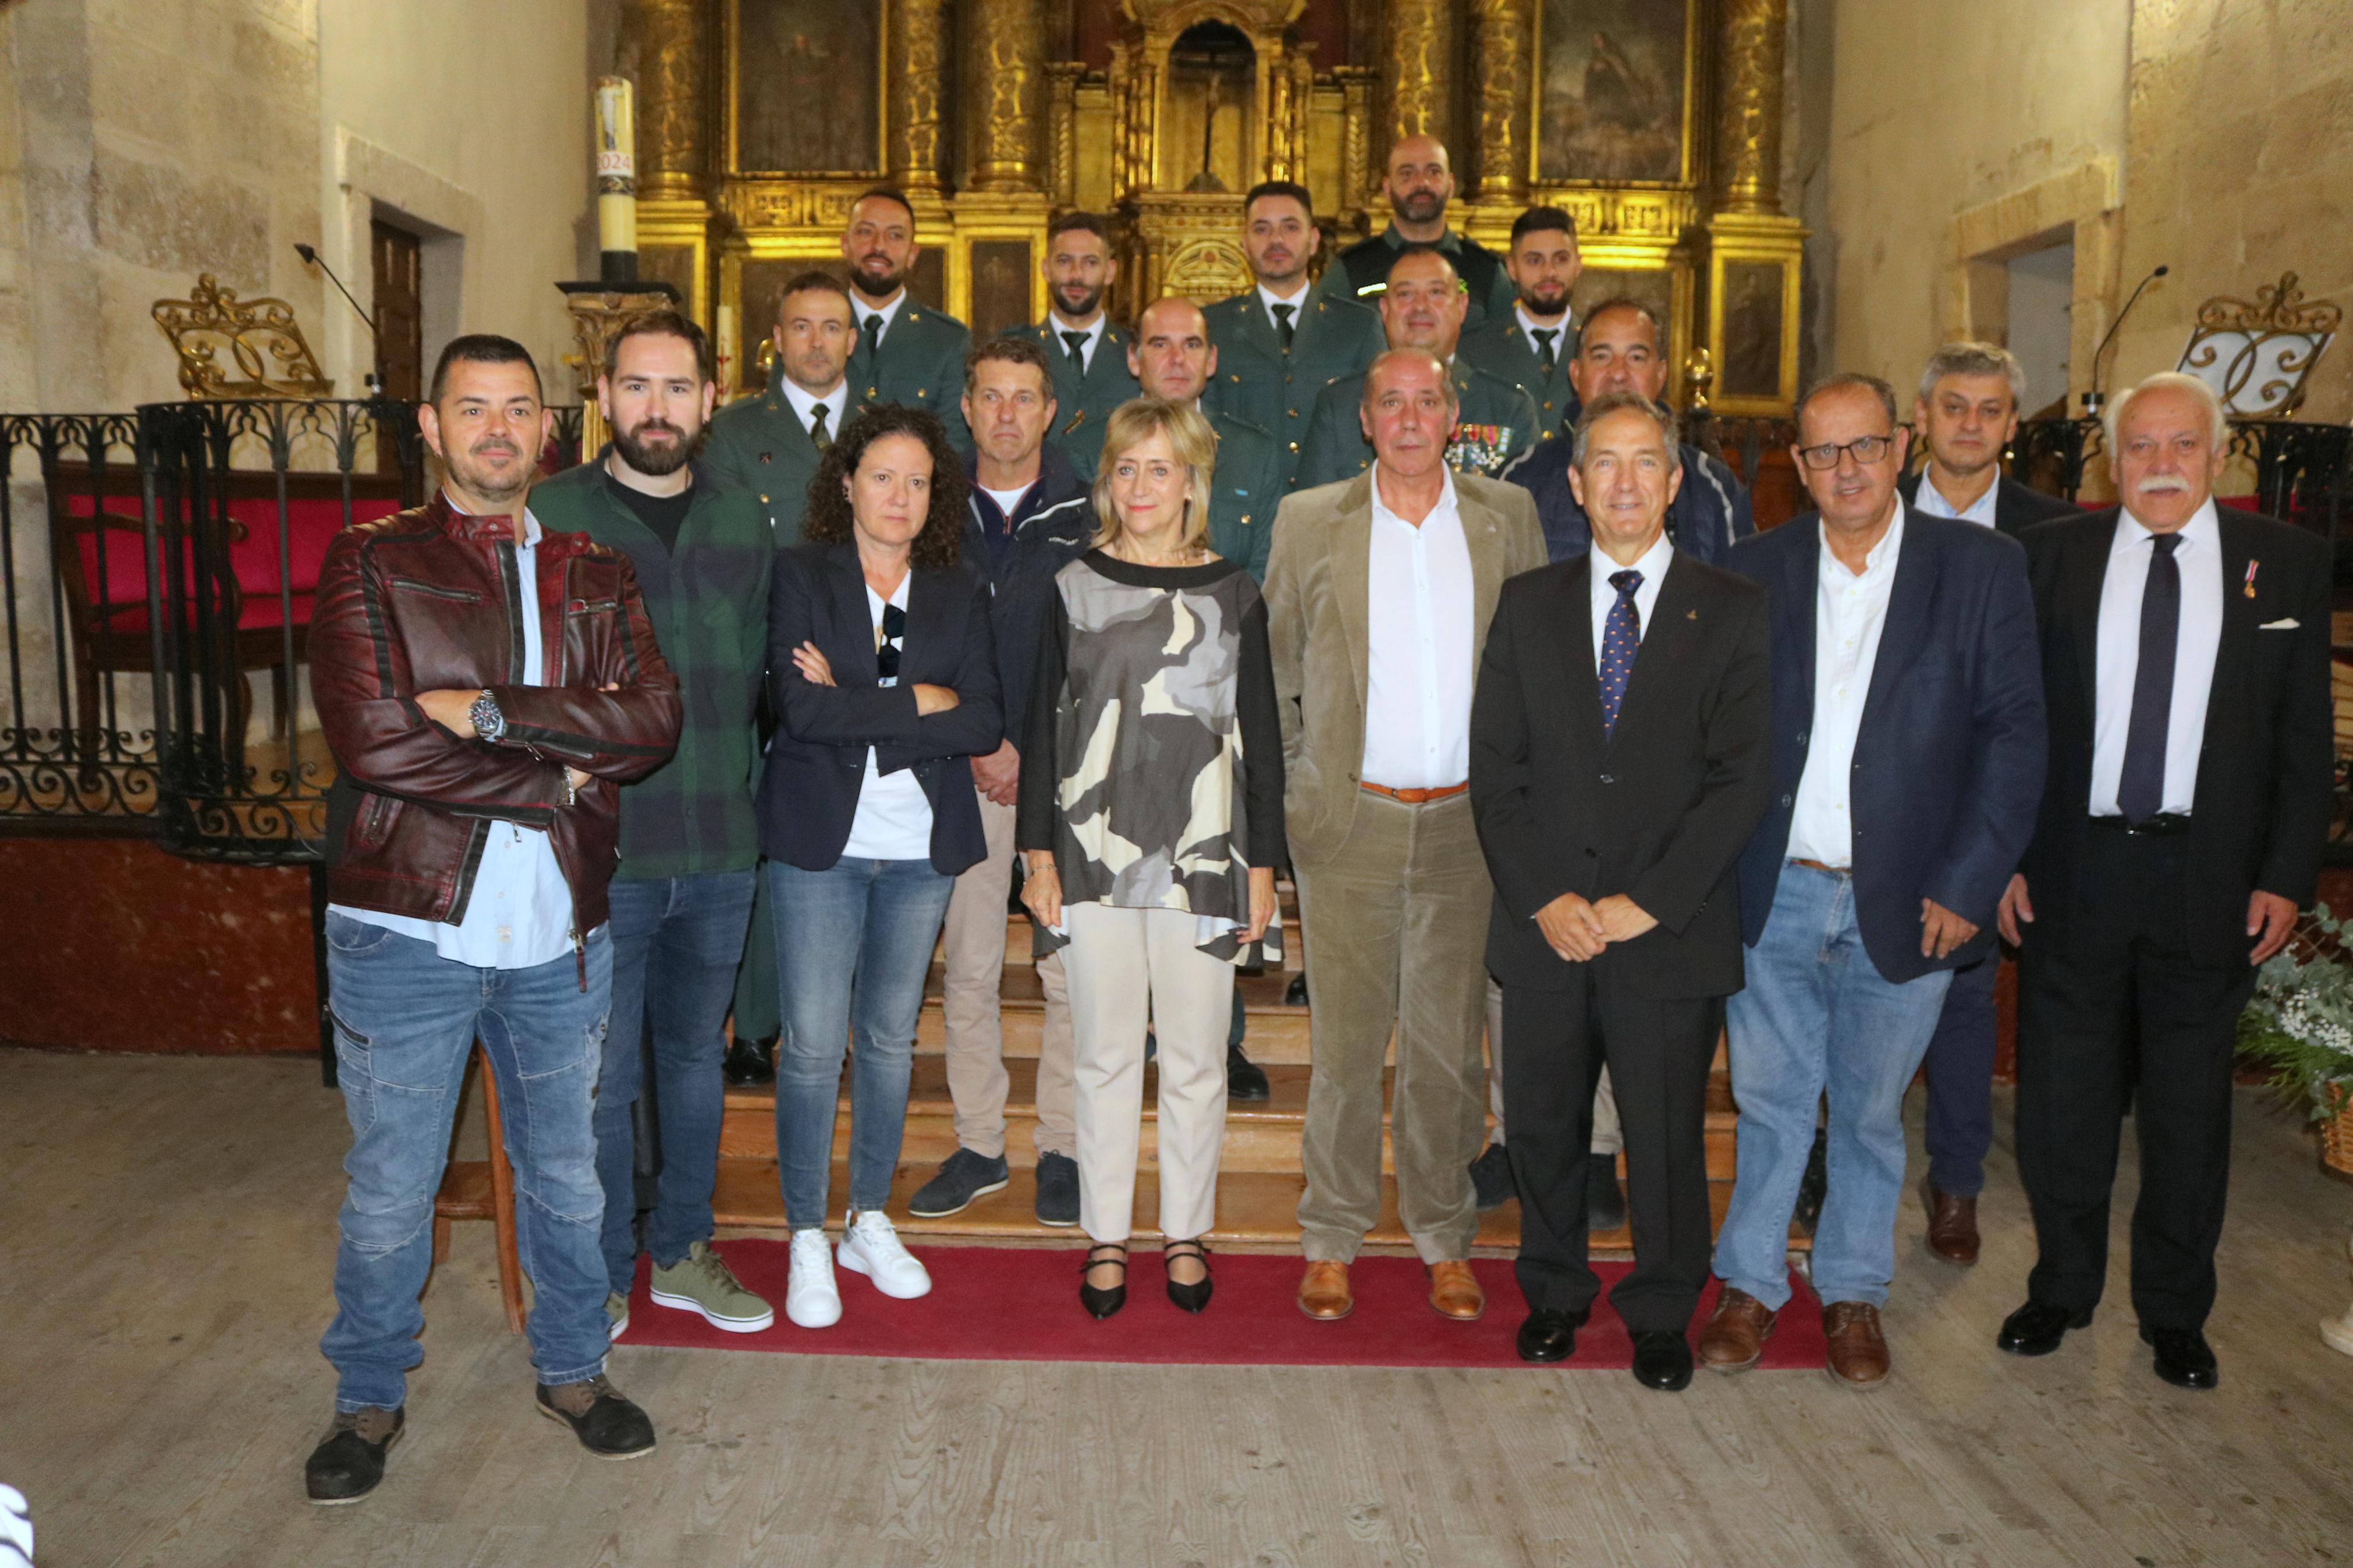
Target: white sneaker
(811,1301)
(870,1246)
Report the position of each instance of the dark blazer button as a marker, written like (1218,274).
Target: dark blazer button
(1607,779)
(1801,737)
(1785,800)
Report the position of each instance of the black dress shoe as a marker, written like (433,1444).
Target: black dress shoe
(1245,1079)
(1605,1200)
(751,1061)
(606,1423)
(2037,1328)
(1295,994)
(2184,1359)
(1102,1303)
(1491,1178)
(1815,1186)
(1194,1297)
(1662,1360)
(349,1462)
(1549,1335)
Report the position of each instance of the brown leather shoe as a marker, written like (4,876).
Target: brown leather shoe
(1454,1291)
(1952,1224)
(1858,1352)
(1734,1340)
(1323,1291)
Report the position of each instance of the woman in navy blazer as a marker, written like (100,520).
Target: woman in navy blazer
(882,673)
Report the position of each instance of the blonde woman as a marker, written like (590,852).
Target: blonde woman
(1151,823)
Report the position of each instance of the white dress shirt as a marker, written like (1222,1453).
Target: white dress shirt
(1654,568)
(894,815)
(1564,330)
(1850,613)
(805,405)
(1930,502)
(1419,669)
(2199,557)
(888,312)
(1094,336)
(519,915)
(1269,299)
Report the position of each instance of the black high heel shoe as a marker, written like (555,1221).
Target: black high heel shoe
(1104,1303)
(1194,1297)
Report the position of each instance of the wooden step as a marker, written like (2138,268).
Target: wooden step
(1277,1033)
(1258,1211)
(1261,1136)
(1020,943)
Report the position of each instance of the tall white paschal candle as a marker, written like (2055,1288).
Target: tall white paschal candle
(616,180)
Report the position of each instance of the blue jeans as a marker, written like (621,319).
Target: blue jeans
(676,944)
(1960,1081)
(1817,1016)
(406,1021)
(853,945)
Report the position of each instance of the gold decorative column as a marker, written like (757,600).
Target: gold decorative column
(1360,170)
(675,49)
(1505,37)
(1754,252)
(1417,58)
(1063,132)
(1008,48)
(917,51)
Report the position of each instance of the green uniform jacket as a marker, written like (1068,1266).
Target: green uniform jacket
(1503,348)
(1080,406)
(1245,489)
(1361,272)
(920,365)
(707,600)
(759,445)
(1495,423)
(1258,381)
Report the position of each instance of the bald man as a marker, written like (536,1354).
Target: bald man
(1419,184)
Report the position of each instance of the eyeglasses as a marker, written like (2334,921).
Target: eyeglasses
(1865,449)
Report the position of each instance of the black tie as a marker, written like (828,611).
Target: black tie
(818,432)
(1543,338)
(1078,342)
(873,335)
(1283,314)
(2140,792)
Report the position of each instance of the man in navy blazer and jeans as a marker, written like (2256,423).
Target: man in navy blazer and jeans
(1908,753)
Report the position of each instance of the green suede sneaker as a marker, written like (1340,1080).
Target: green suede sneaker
(702,1283)
(616,1315)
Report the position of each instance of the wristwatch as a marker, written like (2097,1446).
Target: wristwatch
(489,722)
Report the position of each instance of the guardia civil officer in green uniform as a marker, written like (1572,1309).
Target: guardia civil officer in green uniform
(1087,353)
(1533,343)
(1280,343)
(769,444)
(906,352)
(1420,183)
(1422,308)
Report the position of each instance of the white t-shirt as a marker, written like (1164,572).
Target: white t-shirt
(1008,502)
(894,816)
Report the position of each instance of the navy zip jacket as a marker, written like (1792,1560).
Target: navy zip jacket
(1018,557)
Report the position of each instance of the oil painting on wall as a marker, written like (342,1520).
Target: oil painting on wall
(1610,108)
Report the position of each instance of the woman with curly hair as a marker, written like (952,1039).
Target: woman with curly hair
(882,672)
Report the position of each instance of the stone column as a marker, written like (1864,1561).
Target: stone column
(918,55)
(1502,72)
(673,81)
(1750,44)
(1417,61)
(1008,48)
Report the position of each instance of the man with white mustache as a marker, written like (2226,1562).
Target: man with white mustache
(2186,667)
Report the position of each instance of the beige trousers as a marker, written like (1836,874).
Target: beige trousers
(1127,967)
(973,943)
(1607,1139)
(1396,927)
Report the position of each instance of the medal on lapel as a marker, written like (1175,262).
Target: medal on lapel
(2250,589)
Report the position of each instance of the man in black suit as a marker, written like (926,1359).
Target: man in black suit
(1966,416)
(2185,655)
(1612,808)
(1908,742)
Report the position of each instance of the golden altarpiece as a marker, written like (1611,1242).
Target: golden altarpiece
(1656,122)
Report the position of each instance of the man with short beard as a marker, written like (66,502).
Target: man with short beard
(906,354)
(1278,345)
(485,687)
(1534,345)
(690,844)
(1420,183)
(1087,351)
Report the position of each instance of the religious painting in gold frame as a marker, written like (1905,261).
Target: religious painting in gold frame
(1617,93)
(806,87)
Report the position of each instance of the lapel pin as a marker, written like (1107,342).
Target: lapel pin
(2250,589)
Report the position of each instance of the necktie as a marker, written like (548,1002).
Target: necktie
(818,432)
(2140,792)
(1621,640)
(873,335)
(1544,337)
(1078,342)
(1283,314)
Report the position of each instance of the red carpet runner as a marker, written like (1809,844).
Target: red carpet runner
(992,1303)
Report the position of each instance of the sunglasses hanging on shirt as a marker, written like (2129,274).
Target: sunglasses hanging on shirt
(889,637)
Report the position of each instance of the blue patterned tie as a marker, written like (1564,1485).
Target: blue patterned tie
(1621,640)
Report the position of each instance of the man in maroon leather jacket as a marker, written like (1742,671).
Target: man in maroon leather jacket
(485,689)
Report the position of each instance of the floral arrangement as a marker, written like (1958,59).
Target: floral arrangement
(2300,1021)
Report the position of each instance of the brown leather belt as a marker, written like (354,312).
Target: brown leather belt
(1826,870)
(1414,797)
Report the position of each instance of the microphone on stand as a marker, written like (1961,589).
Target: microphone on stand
(375,376)
(2094,399)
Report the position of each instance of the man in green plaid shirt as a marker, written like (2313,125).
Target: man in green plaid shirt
(682,897)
